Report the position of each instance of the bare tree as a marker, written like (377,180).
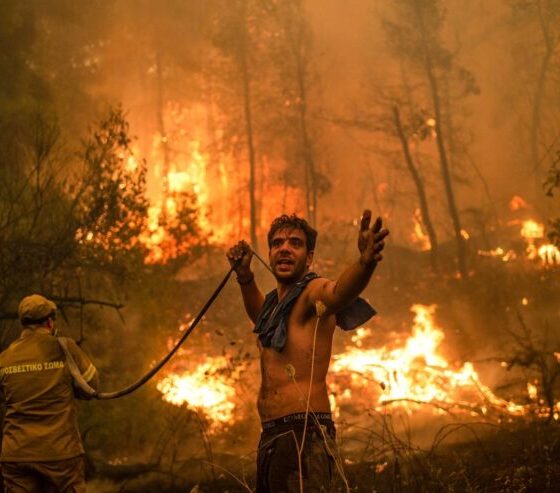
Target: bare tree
(414,33)
(236,39)
(295,73)
(420,188)
(552,184)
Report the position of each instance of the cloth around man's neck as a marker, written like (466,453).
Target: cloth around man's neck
(272,323)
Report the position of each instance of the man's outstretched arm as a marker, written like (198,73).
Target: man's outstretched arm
(240,257)
(354,279)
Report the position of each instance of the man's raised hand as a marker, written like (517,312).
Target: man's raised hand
(239,257)
(370,240)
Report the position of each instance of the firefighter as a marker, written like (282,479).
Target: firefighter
(41,445)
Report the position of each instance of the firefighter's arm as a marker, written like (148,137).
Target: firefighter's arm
(86,367)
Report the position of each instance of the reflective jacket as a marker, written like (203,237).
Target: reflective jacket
(40,423)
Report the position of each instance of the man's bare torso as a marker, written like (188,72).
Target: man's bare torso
(286,375)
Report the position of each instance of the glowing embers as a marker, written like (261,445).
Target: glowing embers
(544,254)
(411,373)
(205,388)
(499,253)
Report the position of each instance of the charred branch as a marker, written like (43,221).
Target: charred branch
(65,302)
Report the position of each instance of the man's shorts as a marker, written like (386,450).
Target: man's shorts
(278,466)
(64,476)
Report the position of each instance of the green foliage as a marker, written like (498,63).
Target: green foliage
(36,221)
(66,227)
(47,213)
(113,207)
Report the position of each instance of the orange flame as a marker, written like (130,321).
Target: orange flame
(410,373)
(532,230)
(547,253)
(418,236)
(517,203)
(415,373)
(180,165)
(206,389)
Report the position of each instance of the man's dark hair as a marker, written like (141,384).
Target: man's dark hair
(293,222)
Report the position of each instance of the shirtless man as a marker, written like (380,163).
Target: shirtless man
(295,325)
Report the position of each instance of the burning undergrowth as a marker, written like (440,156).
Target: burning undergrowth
(394,383)
(408,372)
(214,386)
(411,371)
(461,362)
(403,400)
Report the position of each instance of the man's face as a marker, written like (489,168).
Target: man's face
(288,255)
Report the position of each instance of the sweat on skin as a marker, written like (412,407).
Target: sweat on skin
(290,260)
(297,448)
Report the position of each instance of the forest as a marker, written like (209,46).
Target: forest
(140,140)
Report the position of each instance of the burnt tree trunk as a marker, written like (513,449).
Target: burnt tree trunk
(160,101)
(550,46)
(309,160)
(442,153)
(294,24)
(446,175)
(249,135)
(420,190)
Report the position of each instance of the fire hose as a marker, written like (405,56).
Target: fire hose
(81,383)
(92,393)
